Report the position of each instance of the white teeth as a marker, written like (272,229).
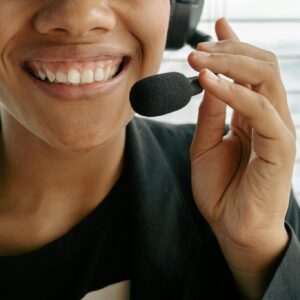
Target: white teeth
(99,75)
(74,76)
(42,75)
(50,75)
(87,76)
(108,73)
(61,77)
(113,71)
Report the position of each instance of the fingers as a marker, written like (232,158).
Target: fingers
(230,43)
(240,68)
(224,30)
(230,56)
(210,125)
(236,47)
(257,109)
(247,65)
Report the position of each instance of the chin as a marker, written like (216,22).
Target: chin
(84,134)
(84,139)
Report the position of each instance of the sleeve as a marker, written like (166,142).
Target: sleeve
(285,283)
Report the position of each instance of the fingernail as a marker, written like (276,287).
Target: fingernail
(210,75)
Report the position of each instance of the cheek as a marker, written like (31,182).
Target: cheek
(14,31)
(10,91)
(151,31)
(13,19)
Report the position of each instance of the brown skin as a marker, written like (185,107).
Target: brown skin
(57,155)
(60,159)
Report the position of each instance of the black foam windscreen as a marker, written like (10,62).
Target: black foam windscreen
(163,93)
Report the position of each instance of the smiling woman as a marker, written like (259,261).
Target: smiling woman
(64,91)
(96,202)
(54,35)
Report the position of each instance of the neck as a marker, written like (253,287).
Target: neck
(36,174)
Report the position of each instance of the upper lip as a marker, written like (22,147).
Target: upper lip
(71,53)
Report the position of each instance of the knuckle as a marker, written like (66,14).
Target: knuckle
(285,157)
(230,46)
(225,43)
(271,77)
(231,89)
(236,47)
(273,67)
(271,57)
(228,63)
(290,148)
(264,104)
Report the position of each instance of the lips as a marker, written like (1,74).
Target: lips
(74,72)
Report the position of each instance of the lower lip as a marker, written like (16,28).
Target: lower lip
(80,93)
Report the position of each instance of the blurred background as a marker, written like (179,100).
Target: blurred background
(270,24)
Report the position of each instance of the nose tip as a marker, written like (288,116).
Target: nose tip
(75,19)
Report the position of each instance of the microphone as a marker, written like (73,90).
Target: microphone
(163,93)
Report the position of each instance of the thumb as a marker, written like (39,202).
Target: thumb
(212,111)
(210,126)
(224,31)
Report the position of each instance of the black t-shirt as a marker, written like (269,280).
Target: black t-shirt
(93,254)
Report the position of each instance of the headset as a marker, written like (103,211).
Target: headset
(185,16)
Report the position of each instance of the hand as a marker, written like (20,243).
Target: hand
(241,182)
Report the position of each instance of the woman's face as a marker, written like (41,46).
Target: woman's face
(81,44)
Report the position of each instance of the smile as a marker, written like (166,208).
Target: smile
(75,73)
(79,79)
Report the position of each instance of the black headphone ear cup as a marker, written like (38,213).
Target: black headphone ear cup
(185,16)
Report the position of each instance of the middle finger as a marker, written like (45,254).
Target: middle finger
(237,47)
(240,68)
